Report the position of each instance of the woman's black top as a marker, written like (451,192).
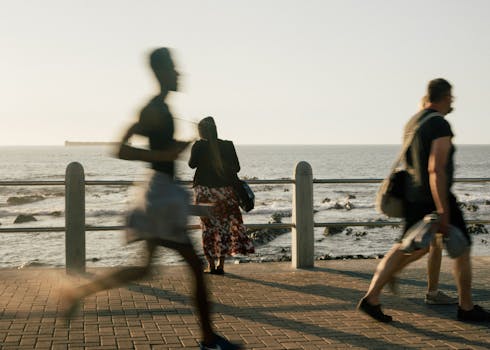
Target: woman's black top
(206,174)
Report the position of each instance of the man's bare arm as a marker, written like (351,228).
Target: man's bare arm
(438,159)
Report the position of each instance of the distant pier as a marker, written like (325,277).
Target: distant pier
(89,143)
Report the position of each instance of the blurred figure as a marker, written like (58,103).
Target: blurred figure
(161,218)
(429,161)
(216,163)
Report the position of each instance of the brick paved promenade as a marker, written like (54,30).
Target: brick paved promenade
(260,305)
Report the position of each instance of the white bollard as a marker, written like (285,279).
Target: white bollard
(302,245)
(75,218)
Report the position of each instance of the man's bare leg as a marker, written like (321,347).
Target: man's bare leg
(391,264)
(462,275)
(434,265)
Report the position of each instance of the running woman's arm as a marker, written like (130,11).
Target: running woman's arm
(167,155)
(128,152)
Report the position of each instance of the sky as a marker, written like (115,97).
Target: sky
(269,72)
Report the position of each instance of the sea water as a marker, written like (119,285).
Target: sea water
(106,205)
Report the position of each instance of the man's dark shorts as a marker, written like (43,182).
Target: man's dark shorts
(416,212)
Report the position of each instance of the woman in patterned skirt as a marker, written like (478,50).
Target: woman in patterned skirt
(216,163)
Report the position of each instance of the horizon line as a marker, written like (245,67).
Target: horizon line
(110,143)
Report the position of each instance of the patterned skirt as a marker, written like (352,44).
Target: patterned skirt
(223,233)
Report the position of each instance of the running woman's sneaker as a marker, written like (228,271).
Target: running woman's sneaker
(220,343)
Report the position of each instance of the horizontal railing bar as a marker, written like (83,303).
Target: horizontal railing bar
(382,223)
(357,223)
(122,182)
(473,179)
(33,183)
(249,226)
(128,183)
(361,181)
(194,227)
(347,181)
(31,229)
(188,182)
(112,182)
(120,227)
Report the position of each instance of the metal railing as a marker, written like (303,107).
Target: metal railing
(302,222)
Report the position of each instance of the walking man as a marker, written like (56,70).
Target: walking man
(429,160)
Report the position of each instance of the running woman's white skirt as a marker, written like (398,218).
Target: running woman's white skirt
(161,212)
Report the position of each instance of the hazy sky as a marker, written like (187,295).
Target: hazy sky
(270,72)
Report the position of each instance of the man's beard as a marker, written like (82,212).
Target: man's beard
(450,110)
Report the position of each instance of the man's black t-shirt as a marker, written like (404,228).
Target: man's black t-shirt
(157,124)
(417,155)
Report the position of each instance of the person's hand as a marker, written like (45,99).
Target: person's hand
(444,223)
(180,146)
(124,152)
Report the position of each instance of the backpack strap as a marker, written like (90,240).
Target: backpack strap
(408,140)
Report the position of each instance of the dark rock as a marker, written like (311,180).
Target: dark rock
(347,257)
(326,200)
(24,199)
(487,202)
(56,213)
(468,206)
(276,217)
(263,236)
(348,205)
(476,229)
(360,234)
(349,231)
(93,259)
(24,218)
(263,188)
(333,230)
(351,196)
(337,205)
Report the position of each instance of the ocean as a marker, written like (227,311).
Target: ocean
(106,205)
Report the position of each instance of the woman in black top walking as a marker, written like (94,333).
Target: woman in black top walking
(216,163)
